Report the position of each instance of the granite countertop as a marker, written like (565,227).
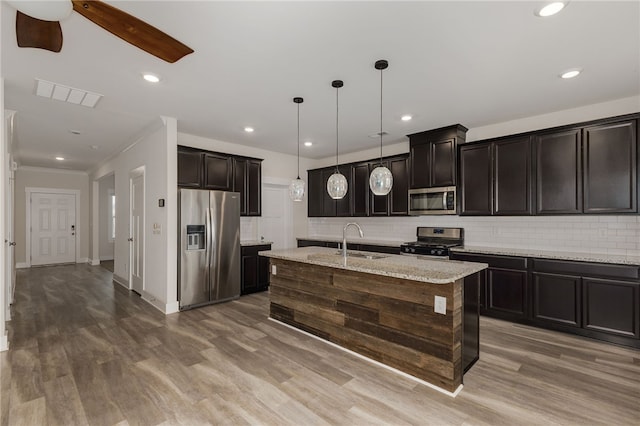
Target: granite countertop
(255,243)
(415,268)
(355,240)
(548,254)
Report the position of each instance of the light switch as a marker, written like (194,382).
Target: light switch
(157,228)
(440,305)
(273,270)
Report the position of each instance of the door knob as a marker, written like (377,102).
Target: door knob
(130,239)
(12,243)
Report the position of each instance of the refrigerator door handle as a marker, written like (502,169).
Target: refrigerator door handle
(207,250)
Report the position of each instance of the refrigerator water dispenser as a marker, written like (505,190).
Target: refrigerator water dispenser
(195,237)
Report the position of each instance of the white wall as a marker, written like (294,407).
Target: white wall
(4,342)
(106,247)
(36,177)
(619,235)
(155,151)
(275,167)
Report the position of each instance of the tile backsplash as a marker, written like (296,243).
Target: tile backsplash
(615,235)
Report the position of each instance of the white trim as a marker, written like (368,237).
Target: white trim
(373,361)
(138,171)
(165,308)
(82,260)
(52,170)
(4,343)
(276,181)
(121,281)
(94,262)
(106,257)
(30,190)
(111,229)
(22,265)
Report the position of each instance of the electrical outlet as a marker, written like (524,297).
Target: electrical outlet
(273,270)
(440,305)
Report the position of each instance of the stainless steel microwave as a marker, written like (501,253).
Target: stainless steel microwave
(441,200)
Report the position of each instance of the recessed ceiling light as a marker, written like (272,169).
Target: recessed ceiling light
(406,117)
(94,147)
(570,73)
(151,78)
(248,129)
(60,158)
(550,9)
(74,132)
(308,143)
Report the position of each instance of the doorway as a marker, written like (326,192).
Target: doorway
(136,233)
(52,228)
(276,223)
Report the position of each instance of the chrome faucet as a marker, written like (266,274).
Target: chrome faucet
(344,237)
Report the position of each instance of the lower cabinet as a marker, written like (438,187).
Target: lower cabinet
(254,269)
(596,300)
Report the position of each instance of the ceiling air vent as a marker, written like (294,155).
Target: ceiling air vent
(59,92)
(378,134)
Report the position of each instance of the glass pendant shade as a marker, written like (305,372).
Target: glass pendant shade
(381,181)
(337,186)
(296,190)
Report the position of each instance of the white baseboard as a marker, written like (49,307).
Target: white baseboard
(121,281)
(94,262)
(108,257)
(4,343)
(82,260)
(165,308)
(22,265)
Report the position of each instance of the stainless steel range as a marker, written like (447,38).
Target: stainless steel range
(434,241)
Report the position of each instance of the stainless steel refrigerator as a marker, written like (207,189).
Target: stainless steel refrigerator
(209,247)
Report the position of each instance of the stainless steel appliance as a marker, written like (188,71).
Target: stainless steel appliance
(441,200)
(208,247)
(434,241)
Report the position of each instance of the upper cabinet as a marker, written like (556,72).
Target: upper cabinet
(224,172)
(588,168)
(609,158)
(433,156)
(359,200)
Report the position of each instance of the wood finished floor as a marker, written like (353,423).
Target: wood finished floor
(86,351)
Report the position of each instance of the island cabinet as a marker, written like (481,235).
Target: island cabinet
(495,177)
(201,169)
(254,269)
(389,317)
(433,156)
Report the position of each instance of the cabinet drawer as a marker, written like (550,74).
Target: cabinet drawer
(587,269)
(494,261)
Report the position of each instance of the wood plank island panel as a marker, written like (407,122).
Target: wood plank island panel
(387,319)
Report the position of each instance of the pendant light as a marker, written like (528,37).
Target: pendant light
(296,188)
(381,179)
(337,184)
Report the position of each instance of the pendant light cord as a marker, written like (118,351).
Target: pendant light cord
(337,89)
(381,118)
(298,141)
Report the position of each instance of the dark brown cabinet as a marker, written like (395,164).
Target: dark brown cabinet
(254,269)
(360,189)
(597,300)
(189,168)
(359,200)
(396,202)
(476,177)
(610,168)
(556,299)
(218,172)
(504,293)
(512,176)
(223,172)
(611,306)
(559,172)
(433,156)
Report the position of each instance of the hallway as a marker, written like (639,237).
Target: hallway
(87,351)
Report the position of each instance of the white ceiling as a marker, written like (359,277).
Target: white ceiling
(474,63)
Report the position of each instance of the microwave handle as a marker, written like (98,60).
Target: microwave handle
(444,200)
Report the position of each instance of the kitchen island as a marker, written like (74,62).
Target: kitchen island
(383,307)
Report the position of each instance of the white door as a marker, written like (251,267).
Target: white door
(53,228)
(136,237)
(275,224)
(10,260)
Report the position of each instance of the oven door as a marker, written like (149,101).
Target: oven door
(427,201)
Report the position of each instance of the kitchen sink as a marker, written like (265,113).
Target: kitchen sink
(363,255)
